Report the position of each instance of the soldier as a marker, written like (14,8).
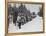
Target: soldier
(22,20)
(19,21)
(26,18)
(15,17)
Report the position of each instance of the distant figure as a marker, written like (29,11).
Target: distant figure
(33,15)
(26,18)
(29,18)
(15,17)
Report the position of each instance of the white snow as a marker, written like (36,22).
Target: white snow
(33,26)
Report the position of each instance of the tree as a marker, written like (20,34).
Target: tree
(40,13)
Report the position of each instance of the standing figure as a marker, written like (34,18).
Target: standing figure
(19,21)
(26,18)
(15,17)
(22,20)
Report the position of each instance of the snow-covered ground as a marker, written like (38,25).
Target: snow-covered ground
(32,26)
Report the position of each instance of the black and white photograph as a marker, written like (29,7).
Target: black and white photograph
(25,17)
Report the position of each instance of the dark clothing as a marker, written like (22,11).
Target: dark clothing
(26,18)
(19,25)
(15,17)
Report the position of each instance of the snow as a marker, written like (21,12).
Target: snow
(32,26)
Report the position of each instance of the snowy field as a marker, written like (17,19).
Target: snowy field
(35,25)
